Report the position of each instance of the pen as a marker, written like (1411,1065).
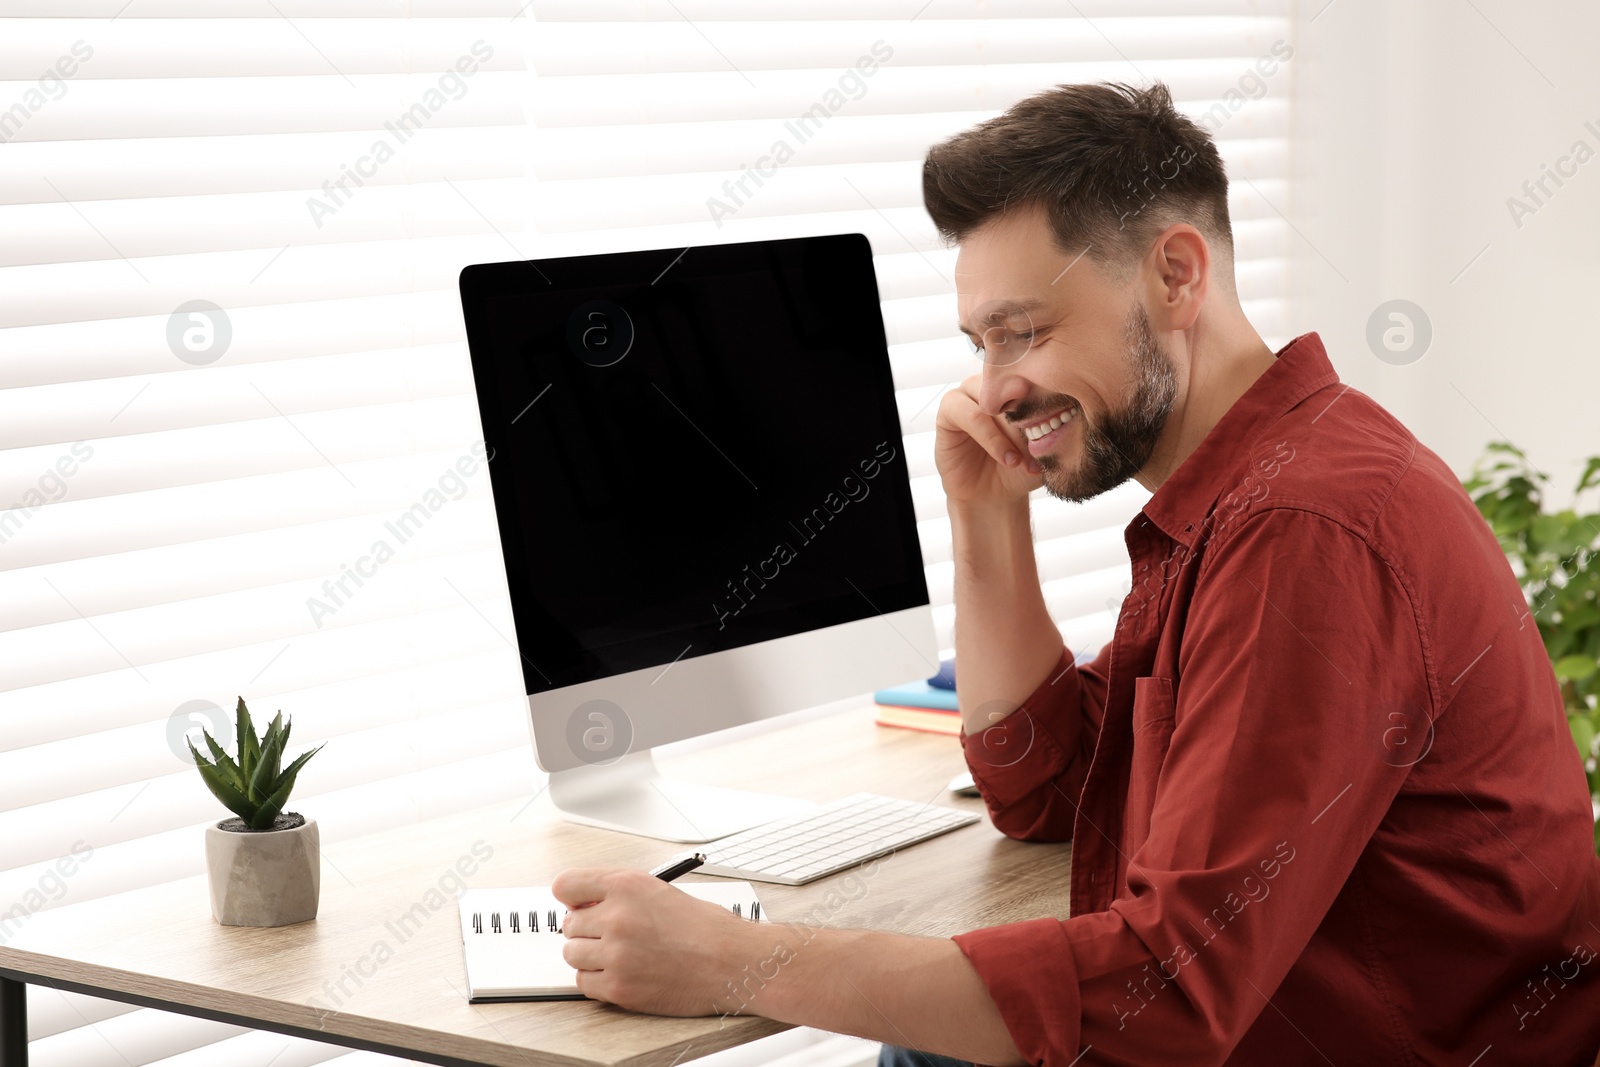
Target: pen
(668,871)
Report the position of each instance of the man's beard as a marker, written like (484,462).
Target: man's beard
(1117,444)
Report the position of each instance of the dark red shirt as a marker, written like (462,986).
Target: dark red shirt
(1323,802)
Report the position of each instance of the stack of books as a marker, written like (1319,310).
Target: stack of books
(929,705)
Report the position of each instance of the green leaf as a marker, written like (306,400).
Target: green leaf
(293,770)
(1591,474)
(1552,529)
(284,787)
(1575,668)
(1583,735)
(222,789)
(248,747)
(1507,447)
(266,771)
(1583,616)
(281,729)
(1514,517)
(266,815)
(223,763)
(273,805)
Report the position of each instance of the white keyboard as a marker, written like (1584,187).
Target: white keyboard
(803,848)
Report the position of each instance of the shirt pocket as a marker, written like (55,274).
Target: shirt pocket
(1154,709)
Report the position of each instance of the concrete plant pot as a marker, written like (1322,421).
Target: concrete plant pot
(264,877)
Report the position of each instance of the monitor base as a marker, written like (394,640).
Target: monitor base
(630,795)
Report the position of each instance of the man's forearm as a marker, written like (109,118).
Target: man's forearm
(917,992)
(921,992)
(1006,641)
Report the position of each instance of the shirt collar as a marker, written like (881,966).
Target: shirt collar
(1181,504)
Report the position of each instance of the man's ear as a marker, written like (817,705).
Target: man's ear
(1178,277)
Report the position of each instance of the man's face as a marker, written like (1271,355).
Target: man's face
(1063,342)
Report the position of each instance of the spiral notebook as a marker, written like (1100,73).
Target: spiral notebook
(512,939)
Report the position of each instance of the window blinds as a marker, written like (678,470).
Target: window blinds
(231,354)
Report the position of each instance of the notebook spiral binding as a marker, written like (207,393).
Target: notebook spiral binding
(514,924)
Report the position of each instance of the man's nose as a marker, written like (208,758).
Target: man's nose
(999,387)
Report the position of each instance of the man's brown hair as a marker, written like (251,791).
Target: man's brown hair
(1112,166)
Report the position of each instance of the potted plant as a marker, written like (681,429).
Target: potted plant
(1557,559)
(265,864)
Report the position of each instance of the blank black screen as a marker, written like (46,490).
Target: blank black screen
(737,476)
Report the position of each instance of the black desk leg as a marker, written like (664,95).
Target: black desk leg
(13,1023)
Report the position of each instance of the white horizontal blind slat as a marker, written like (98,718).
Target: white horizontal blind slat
(380,263)
(140,46)
(265,1047)
(93,349)
(125,167)
(673,147)
(136,1037)
(63,413)
(676,45)
(53,1011)
(846,12)
(377,12)
(589,100)
(199,224)
(164,108)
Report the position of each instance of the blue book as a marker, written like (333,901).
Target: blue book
(938,693)
(918,694)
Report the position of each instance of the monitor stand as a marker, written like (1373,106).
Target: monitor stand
(630,795)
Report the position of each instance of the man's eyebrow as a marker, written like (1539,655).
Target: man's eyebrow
(1005,309)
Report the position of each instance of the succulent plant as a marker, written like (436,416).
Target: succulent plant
(256,787)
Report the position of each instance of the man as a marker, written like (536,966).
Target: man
(1323,801)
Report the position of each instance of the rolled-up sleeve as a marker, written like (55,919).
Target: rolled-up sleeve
(1030,765)
(1300,643)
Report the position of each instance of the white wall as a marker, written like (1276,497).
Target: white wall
(1415,121)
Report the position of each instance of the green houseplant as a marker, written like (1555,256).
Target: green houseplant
(264,863)
(1556,555)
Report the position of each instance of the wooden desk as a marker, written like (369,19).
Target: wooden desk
(357,976)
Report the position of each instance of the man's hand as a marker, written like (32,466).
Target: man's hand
(640,943)
(970,449)
(1006,642)
(643,944)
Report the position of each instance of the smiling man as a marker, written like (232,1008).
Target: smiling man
(1323,803)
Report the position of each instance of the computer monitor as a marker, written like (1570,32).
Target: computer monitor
(704,506)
